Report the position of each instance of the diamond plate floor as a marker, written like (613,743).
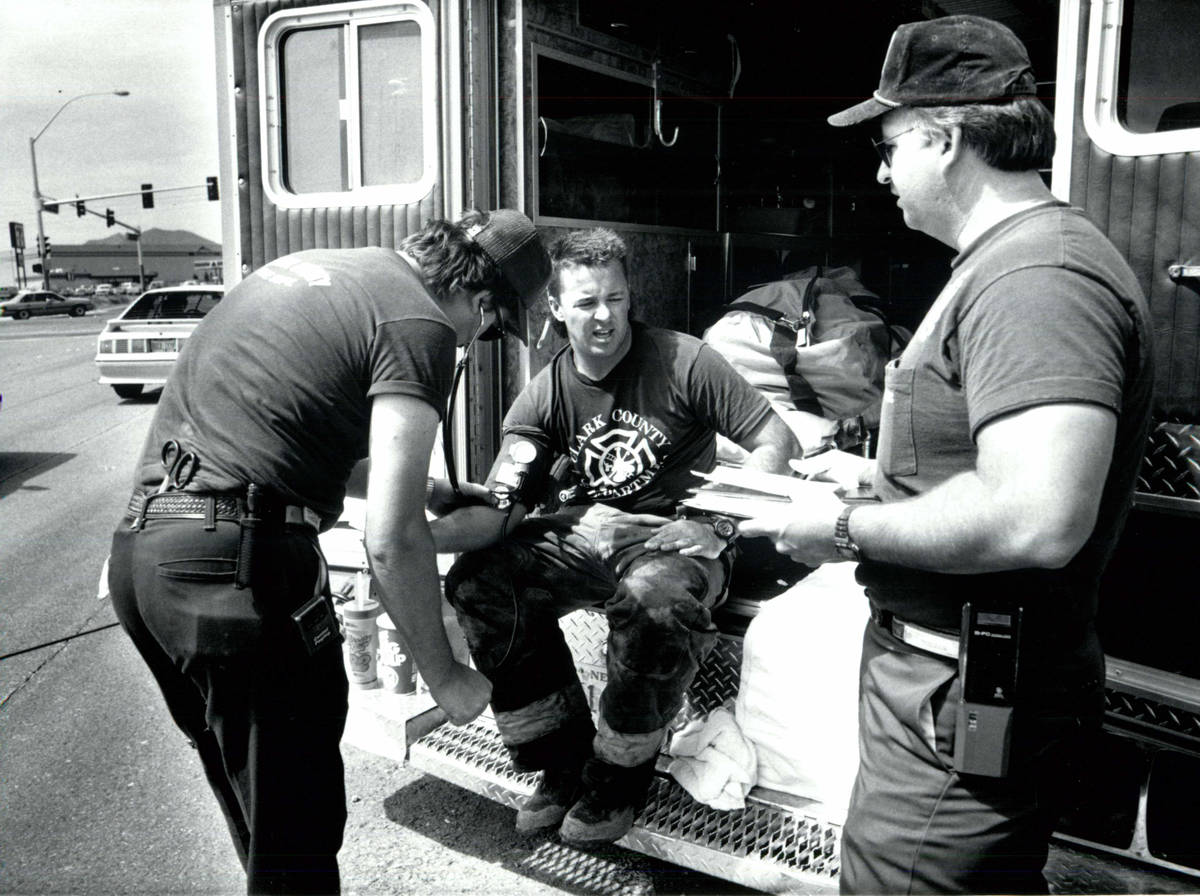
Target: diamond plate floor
(1074,869)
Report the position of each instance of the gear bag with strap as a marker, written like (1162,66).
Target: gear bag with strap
(826,350)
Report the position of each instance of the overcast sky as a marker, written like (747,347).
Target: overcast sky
(163,133)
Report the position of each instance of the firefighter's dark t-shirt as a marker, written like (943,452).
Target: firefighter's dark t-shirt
(274,387)
(635,436)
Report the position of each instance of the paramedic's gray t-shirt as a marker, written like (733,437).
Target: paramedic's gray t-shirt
(275,385)
(1040,309)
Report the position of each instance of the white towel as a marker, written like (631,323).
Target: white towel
(713,761)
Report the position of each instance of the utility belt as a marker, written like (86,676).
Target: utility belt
(931,640)
(211,507)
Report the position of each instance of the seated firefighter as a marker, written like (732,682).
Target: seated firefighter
(634,409)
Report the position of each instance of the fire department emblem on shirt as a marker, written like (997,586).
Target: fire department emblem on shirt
(617,462)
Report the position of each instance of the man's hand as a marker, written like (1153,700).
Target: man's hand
(803,533)
(846,469)
(443,498)
(615,530)
(691,538)
(462,692)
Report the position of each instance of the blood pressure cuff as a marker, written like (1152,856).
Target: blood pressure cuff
(520,472)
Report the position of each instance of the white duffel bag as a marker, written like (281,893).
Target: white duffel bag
(798,698)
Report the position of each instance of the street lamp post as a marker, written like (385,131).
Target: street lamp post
(37,192)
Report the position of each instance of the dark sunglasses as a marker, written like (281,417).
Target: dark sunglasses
(885,147)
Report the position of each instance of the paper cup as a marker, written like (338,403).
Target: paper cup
(397,671)
(361,645)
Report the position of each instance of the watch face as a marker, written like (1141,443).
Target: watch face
(724,528)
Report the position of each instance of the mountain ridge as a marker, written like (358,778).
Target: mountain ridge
(157,236)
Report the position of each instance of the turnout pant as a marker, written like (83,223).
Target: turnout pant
(265,716)
(917,826)
(509,598)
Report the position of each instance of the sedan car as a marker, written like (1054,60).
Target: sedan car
(138,348)
(30,302)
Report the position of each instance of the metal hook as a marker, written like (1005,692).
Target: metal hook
(658,111)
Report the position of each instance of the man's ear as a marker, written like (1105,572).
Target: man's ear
(486,300)
(555,307)
(951,141)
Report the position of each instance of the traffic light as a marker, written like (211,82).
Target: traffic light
(80,211)
(211,183)
(109,218)
(147,196)
(46,248)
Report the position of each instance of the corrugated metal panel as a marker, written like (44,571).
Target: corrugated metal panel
(268,231)
(1150,208)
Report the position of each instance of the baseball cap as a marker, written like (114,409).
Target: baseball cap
(512,242)
(949,61)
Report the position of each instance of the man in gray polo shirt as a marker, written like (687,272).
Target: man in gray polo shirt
(1012,430)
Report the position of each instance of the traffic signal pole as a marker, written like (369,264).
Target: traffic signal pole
(135,233)
(209,185)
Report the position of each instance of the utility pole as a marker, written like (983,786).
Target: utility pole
(141,267)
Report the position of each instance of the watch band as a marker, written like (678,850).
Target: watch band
(842,542)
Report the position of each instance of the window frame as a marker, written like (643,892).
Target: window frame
(1100,118)
(352,16)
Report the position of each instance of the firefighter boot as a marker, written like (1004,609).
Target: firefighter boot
(555,794)
(561,754)
(611,798)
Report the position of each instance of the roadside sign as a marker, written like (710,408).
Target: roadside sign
(16,234)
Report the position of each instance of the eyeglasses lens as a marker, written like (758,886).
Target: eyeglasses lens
(886,147)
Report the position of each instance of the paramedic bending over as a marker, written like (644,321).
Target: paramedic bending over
(635,409)
(304,367)
(1012,429)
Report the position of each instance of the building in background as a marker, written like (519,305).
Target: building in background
(170,256)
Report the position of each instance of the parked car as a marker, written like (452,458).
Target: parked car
(104,289)
(138,348)
(29,302)
(130,288)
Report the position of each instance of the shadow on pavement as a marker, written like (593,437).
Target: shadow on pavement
(17,467)
(470,824)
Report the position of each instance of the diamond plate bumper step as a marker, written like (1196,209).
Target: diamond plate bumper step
(778,843)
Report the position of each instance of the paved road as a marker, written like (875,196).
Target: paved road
(99,793)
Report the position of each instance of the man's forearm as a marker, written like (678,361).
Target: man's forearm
(469,528)
(962,526)
(768,459)
(411,593)
(771,446)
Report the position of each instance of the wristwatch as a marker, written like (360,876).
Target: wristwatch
(842,542)
(724,529)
